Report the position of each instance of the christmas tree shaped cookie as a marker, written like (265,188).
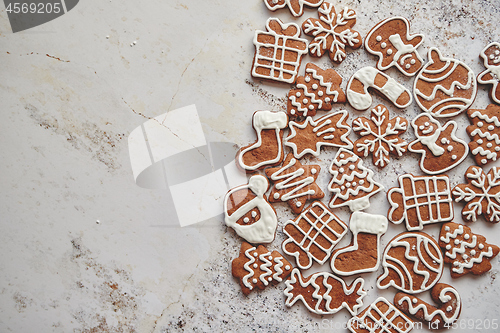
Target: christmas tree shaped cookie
(352,183)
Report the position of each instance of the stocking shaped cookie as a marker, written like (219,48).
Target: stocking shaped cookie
(314,91)
(278,51)
(249,213)
(445,87)
(391,41)
(465,251)
(296,6)
(363,255)
(268,149)
(441,149)
(369,77)
(294,183)
(332,32)
(444,295)
(491,58)
(484,133)
(256,267)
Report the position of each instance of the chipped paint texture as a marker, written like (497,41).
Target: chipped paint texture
(86,250)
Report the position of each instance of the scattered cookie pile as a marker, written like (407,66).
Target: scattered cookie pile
(413,261)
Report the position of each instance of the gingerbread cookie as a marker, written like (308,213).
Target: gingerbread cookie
(380,316)
(324,293)
(491,58)
(391,41)
(294,183)
(412,262)
(445,87)
(332,32)
(278,51)
(465,251)
(481,194)
(296,7)
(258,267)
(440,147)
(484,133)
(420,200)
(314,91)
(268,149)
(363,255)
(310,135)
(444,295)
(313,235)
(352,183)
(369,77)
(249,213)
(379,136)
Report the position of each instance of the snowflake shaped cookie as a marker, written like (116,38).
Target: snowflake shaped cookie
(296,6)
(380,136)
(332,32)
(481,193)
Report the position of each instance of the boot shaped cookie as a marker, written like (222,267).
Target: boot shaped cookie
(441,149)
(391,41)
(363,255)
(268,149)
(249,213)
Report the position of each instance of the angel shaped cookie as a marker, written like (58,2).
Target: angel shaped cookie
(441,149)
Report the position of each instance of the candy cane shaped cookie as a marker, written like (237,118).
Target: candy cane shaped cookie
(444,295)
(369,77)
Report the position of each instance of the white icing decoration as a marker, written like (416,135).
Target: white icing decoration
(246,220)
(262,231)
(493,69)
(287,267)
(449,68)
(290,181)
(266,263)
(265,120)
(246,266)
(366,75)
(276,65)
(393,263)
(378,38)
(254,214)
(383,45)
(254,281)
(389,51)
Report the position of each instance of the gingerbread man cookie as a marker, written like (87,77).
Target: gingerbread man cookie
(484,133)
(440,147)
(491,58)
(391,41)
(314,91)
(465,251)
(256,267)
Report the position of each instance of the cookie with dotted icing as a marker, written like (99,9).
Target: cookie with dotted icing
(485,134)
(392,42)
(491,60)
(439,146)
(317,90)
(313,235)
(447,298)
(257,267)
(465,251)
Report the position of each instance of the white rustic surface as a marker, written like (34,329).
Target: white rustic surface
(86,250)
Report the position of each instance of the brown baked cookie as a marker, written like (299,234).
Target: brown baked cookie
(481,194)
(313,235)
(370,77)
(484,133)
(391,41)
(294,183)
(491,58)
(249,213)
(442,294)
(309,136)
(380,316)
(258,267)
(379,136)
(420,200)
(445,87)
(412,262)
(296,6)
(332,32)
(268,149)
(440,147)
(278,51)
(465,251)
(317,90)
